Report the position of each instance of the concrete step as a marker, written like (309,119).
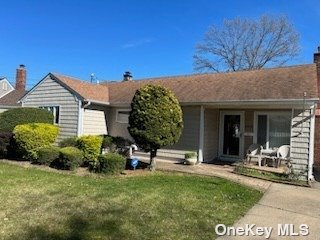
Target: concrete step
(163,154)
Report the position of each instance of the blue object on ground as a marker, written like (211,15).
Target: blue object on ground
(134,162)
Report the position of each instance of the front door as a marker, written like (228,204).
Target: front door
(231,135)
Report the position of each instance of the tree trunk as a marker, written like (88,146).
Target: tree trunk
(153,154)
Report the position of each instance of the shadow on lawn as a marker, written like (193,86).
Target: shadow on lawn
(76,228)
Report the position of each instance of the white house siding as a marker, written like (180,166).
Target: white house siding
(50,93)
(5,87)
(95,120)
(300,142)
(211,134)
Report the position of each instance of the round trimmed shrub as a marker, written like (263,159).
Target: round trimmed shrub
(69,159)
(111,163)
(90,146)
(47,155)
(17,116)
(33,136)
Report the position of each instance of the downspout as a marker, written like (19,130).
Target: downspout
(79,130)
(201,135)
(311,146)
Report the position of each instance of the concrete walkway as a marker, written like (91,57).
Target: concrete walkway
(223,171)
(284,204)
(281,203)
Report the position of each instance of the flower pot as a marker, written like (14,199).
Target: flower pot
(191,161)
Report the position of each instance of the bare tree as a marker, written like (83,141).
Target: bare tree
(243,44)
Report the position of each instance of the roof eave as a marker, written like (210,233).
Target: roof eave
(309,101)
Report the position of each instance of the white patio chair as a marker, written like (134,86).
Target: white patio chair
(283,153)
(253,152)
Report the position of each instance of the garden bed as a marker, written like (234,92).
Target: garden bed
(270,176)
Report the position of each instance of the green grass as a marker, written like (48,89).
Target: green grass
(37,204)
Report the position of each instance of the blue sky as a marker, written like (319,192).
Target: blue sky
(148,38)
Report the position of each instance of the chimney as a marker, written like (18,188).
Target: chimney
(21,78)
(127,76)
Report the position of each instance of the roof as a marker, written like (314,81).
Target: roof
(12,98)
(87,91)
(285,83)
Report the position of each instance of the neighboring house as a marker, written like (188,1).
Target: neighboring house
(223,112)
(10,96)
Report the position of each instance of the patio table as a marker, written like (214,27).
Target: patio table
(267,153)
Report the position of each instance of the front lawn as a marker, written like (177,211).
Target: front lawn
(37,204)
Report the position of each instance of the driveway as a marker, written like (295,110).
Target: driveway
(283,204)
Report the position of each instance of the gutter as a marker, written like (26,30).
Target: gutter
(310,101)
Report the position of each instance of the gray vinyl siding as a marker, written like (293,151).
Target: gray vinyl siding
(4,91)
(115,128)
(300,142)
(189,139)
(211,134)
(50,93)
(95,120)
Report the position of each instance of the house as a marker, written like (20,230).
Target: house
(9,95)
(223,113)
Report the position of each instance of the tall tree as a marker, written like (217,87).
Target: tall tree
(155,119)
(243,44)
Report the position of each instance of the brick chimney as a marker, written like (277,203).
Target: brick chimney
(316,60)
(127,76)
(21,77)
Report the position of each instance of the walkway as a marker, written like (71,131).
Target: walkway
(281,203)
(284,204)
(223,171)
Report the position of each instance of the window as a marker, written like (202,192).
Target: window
(273,129)
(123,116)
(55,110)
(4,86)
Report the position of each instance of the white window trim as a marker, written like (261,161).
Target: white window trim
(268,113)
(54,116)
(122,110)
(4,86)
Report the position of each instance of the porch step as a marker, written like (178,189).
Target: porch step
(163,154)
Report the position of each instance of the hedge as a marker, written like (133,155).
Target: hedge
(17,116)
(90,146)
(47,155)
(111,163)
(68,142)
(33,136)
(5,139)
(69,159)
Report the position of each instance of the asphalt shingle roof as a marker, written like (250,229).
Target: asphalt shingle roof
(266,84)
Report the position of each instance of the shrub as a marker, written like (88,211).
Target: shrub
(90,146)
(47,155)
(5,139)
(116,144)
(155,119)
(108,144)
(17,116)
(69,159)
(68,142)
(33,136)
(190,155)
(112,163)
